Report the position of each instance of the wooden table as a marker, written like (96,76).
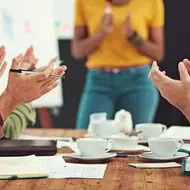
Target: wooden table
(118,176)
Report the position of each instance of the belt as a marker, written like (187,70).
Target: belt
(117,69)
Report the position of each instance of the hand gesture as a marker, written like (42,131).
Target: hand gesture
(177,92)
(26,88)
(128,29)
(107,20)
(3,64)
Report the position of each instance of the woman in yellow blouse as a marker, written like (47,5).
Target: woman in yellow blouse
(120,40)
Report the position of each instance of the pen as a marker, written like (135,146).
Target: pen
(28,72)
(125,155)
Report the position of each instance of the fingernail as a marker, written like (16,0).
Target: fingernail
(181,65)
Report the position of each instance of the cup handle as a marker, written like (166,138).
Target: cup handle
(180,143)
(110,145)
(164,128)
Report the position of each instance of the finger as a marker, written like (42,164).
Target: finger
(184,75)
(29,51)
(187,64)
(60,70)
(2,57)
(2,69)
(44,74)
(2,50)
(53,60)
(51,86)
(16,63)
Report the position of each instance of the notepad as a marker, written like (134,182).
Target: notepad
(21,167)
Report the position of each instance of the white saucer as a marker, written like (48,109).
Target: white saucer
(107,156)
(137,149)
(149,155)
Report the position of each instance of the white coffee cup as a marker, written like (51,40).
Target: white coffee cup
(165,147)
(96,118)
(94,147)
(123,142)
(106,128)
(150,130)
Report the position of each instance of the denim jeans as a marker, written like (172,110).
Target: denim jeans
(129,89)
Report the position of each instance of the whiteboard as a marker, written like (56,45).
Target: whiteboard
(30,22)
(64,18)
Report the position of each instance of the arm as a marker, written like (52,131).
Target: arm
(23,116)
(154,47)
(82,45)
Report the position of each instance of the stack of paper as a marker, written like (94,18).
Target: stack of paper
(187,167)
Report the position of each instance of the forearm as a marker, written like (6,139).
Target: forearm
(83,47)
(18,120)
(7,104)
(152,50)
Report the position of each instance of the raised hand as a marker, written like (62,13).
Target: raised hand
(177,92)
(26,88)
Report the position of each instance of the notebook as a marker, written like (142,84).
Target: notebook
(23,167)
(186,166)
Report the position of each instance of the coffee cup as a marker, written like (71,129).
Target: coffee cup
(149,130)
(165,147)
(94,147)
(123,142)
(106,128)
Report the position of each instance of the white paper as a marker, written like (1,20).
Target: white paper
(91,171)
(187,167)
(24,165)
(58,168)
(181,132)
(155,165)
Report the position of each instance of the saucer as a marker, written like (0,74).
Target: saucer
(138,149)
(79,157)
(149,155)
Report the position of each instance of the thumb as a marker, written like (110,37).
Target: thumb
(184,75)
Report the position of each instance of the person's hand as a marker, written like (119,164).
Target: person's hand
(177,92)
(29,60)
(128,29)
(26,88)
(3,64)
(107,22)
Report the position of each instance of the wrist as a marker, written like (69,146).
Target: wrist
(7,104)
(135,39)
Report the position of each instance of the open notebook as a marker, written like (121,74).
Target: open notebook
(21,167)
(181,132)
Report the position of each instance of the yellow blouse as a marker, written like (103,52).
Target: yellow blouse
(115,50)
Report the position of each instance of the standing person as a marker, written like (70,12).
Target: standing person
(120,41)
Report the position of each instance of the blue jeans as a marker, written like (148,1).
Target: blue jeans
(109,92)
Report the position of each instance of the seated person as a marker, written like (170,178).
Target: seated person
(22,89)
(177,92)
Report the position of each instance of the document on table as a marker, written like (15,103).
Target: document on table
(58,168)
(156,165)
